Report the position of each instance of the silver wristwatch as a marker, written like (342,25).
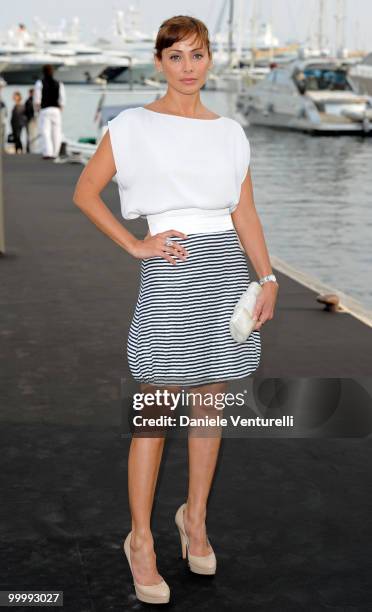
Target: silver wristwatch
(269,277)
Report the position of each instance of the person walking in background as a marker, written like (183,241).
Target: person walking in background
(18,121)
(49,100)
(31,125)
(3,114)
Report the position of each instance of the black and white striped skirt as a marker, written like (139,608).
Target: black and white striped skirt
(179,333)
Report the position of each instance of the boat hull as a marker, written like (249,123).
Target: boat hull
(286,122)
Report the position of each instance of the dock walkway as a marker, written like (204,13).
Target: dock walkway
(63,277)
(289,519)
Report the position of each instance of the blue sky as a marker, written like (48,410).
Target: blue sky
(291,19)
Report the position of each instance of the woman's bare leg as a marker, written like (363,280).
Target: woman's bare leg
(203,450)
(144,460)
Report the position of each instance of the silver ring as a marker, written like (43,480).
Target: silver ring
(168,242)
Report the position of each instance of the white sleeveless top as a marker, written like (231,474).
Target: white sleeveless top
(178,172)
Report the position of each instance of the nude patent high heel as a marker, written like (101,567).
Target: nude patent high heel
(198,564)
(149,593)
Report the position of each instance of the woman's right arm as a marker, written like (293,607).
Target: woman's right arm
(96,175)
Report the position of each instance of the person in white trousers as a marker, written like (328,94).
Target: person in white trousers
(49,100)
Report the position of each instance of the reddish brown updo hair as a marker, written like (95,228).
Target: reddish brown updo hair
(178,28)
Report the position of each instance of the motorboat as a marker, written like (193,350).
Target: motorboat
(361,75)
(22,57)
(24,67)
(110,102)
(313,95)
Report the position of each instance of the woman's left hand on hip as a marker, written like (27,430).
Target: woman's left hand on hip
(265,304)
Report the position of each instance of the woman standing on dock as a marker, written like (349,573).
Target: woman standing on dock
(186,170)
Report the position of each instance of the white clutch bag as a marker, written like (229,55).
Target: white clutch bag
(241,322)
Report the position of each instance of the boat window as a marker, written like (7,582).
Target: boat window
(367,59)
(283,79)
(323,78)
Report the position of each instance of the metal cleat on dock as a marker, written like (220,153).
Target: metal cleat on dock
(331,302)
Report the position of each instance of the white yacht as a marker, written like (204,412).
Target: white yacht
(361,75)
(78,62)
(23,55)
(23,66)
(127,41)
(110,102)
(83,63)
(313,95)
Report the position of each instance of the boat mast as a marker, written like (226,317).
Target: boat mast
(321,26)
(253,35)
(340,27)
(239,38)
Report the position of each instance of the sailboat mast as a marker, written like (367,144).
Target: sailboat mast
(340,27)
(253,34)
(321,26)
(230,31)
(239,39)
